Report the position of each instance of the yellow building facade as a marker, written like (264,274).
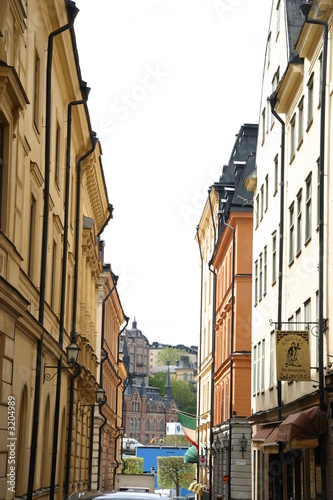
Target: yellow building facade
(53,208)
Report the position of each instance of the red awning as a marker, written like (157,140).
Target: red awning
(263,432)
(305,425)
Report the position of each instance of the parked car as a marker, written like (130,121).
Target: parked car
(118,495)
(130,444)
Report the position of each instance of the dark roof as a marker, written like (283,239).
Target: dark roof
(294,23)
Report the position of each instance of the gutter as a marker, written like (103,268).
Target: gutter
(72,12)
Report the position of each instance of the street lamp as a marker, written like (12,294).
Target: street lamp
(100,396)
(225,441)
(217,444)
(72,353)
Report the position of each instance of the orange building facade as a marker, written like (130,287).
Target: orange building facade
(232,265)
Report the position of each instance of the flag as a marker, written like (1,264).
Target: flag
(189,425)
(152,441)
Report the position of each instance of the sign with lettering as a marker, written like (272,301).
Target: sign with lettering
(293,355)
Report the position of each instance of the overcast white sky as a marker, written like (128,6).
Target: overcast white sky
(171,83)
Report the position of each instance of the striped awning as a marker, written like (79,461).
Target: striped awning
(196,488)
(191,455)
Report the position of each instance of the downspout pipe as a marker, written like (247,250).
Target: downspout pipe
(85,92)
(200,340)
(231,352)
(101,383)
(72,12)
(305,9)
(212,395)
(70,428)
(272,101)
(94,140)
(91,444)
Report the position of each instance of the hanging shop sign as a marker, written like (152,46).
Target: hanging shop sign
(293,355)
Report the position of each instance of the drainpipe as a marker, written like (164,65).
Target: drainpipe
(212,395)
(200,340)
(91,444)
(73,332)
(272,101)
(94,140)
(72,12)
(85,92)
(305,9)
(231,352)
(70,428)
(101,383)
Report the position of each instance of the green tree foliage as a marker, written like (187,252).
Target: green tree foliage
(185,395)
(133,465)
(168,354)
(172,472)
(158,381)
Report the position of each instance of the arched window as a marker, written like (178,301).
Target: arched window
(139,424)
(154,424)
(147,424)
(185,377)
(131,424)
(161,424)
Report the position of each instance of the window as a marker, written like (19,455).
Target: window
(308,208)
(291,322)
(292,137)
(254,371)
(300,121)
(263,366)
(268,49)
(278,18)
(258,367)
(274,257)
(147,424)
(299,223)
(185,377)
(57,156)
(276,173)
(318,191)
(291,233)
(265,270)
(256,282)
(54,257)
(310,100)
(317,336)
(276,79)
(298,319)
(307,311)
(257,211)
(261,202)
(260,276)
(266,193)
(32,237)
(263,130)
(272,359)
(36,108)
